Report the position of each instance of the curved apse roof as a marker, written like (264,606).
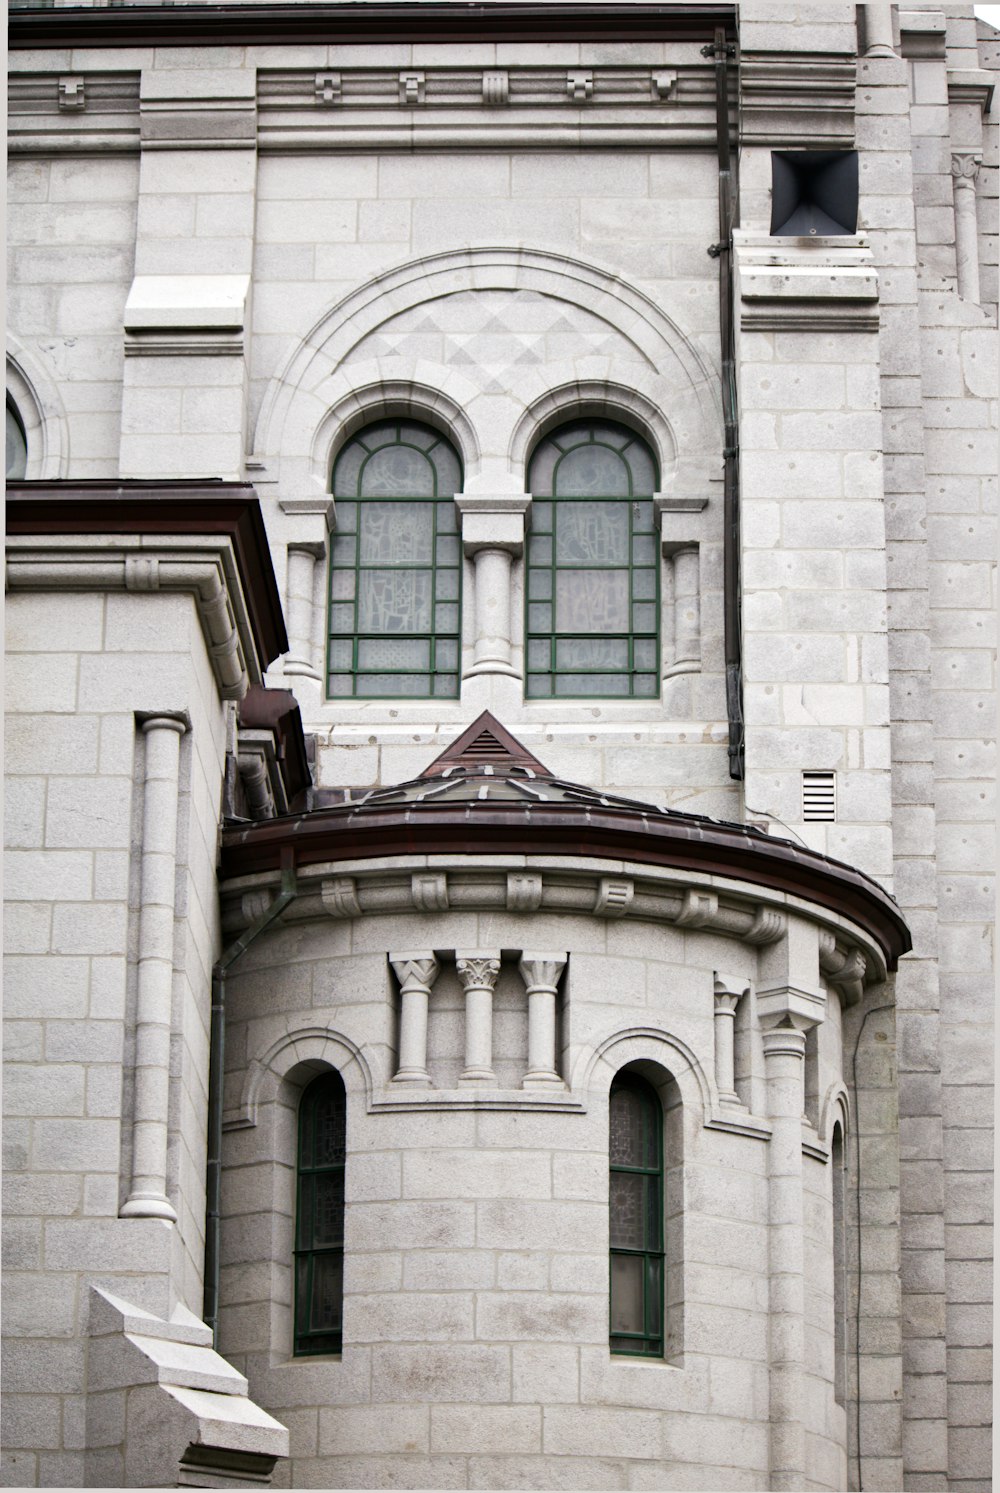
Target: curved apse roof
(487,794)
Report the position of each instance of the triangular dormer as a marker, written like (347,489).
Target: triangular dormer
(485,743)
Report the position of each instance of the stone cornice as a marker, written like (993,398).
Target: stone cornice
(553,885)
(800,100)
(805,285)
(203,537)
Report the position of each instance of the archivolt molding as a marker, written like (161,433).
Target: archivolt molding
(597,1065)
(41,410)
(836,1106)
(585,397)
(315,1044)
(669,371)
(364,396)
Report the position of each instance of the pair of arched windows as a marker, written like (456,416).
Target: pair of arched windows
(636,1194)
(592,569)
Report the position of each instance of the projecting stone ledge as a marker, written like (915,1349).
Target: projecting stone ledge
(165,1410)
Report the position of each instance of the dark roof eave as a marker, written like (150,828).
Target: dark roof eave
(184,506)
(274,24)
(351,832)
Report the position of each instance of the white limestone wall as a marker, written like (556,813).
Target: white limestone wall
(475,1328)
(77,672)
(71,238)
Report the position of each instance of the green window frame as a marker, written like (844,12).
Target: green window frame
(592,623)
(635,1200)
(319,1217)
(395,605)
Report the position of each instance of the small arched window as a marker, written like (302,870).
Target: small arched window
(593,570)
(396,565)
(319,1222)
(17,445)
(637,1213)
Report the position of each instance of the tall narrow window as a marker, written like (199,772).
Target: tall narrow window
(593,570)
(636,1198)
(319,1224)
(396,565)
(838,1179)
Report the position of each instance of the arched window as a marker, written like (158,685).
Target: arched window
(17,445)
(396,565)
(593,570)
(319,1223)
(636,1202)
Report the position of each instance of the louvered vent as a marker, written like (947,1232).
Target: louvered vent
(485,748)
(819,796)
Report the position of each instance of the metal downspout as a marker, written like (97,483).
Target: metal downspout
(216,1069)
(722,51)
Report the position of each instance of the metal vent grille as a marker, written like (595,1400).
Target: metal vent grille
(819,796)
(485,748)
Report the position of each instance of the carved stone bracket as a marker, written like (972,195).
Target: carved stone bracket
(767,927)
(580,83)
(524,891)
(430,891)
(614,897)
(340,896)
(845,969)
(698,909)
(328,88)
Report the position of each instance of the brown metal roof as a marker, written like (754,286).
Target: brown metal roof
(495,808)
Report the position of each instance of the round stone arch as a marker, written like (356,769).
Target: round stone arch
(835,1110)
(601,398)
(383,399)
(596,1067)
(43,418)
(665,366)
(296,1057)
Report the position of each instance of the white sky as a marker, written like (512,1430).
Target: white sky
(989,13)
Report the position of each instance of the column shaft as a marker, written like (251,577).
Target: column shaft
(299,592)
(964,169)
(147,1195)
(492,653)
(478,974)
(540,973)
(784,1048)
(416,974)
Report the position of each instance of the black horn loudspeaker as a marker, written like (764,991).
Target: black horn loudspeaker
(814,192)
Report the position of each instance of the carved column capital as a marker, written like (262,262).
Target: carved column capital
(965,167)
(415,971)
(477,971)
(541,971)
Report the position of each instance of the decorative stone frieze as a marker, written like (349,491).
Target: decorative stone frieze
(496,86)
(412,88)
(328,88)
(71,93)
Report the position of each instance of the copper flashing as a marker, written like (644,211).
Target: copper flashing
(391,823)
(276,24)
(204,506)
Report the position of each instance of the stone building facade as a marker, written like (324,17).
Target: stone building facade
(499,745)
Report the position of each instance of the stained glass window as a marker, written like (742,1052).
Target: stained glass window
(396,565)
(593,575)
(319,1223)
(636,1208)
